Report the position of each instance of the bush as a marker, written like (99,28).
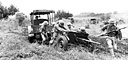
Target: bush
(63,14)
(87,26)
(6,11)
(12,10)
(20,17)
(72,20)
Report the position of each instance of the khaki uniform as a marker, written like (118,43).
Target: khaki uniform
(111,37)
(70,28)
(43,30)
(58,30)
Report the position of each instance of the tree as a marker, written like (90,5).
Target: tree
(92,14)
(72,20)
(20,17)
(12,10)
(115,12)
(62,14)
(1,10)
(105,16)
(6,11)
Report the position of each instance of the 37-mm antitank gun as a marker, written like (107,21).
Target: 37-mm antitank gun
(77,39)
(82,39)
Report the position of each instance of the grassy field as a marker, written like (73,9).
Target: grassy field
(14,46)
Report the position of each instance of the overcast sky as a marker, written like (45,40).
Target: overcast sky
(73,6)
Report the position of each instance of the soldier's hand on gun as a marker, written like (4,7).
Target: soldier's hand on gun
(66,31)
(101,34)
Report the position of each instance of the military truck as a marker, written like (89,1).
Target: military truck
(37,17)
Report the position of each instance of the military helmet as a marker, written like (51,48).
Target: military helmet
(111,21)
(82,28)
(61,22)
(36,16)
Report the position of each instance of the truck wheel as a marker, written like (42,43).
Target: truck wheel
(31,39)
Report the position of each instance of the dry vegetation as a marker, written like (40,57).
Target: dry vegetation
(14,46)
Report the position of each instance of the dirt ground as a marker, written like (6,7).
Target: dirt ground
(14,46)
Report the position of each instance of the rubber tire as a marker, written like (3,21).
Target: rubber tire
(61,40)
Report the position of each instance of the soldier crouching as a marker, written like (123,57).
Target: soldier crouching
(44,31)
(59,31)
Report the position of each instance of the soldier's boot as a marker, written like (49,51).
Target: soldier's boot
(112,52)
(54,44)
(115,45)
(110,46)
(43,39)
(51,41)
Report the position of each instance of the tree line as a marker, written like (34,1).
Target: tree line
(63,14)
(6,11)
(103,16)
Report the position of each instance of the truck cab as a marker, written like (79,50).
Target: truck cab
(37,17)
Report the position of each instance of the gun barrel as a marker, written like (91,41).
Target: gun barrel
(94,42)
(90,41)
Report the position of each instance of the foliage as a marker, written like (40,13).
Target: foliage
(15,46)
(6,11)
(62,14)
(72,20)
(20,17)
(12,10)
(103,16)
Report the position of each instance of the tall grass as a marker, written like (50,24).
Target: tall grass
(14,46)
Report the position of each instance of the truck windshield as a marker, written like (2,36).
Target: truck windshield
(40,17)
(43,17)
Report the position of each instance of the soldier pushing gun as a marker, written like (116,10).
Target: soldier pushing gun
(59,31)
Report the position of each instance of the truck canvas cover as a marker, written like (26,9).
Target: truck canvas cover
(37,12)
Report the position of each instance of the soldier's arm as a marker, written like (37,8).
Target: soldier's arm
(102,31)
(65,28)
(104,28)
(40,29)
(117,29)
(60,29)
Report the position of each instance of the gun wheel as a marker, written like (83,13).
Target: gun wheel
(62,43)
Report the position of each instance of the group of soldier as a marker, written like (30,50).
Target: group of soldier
(59,30)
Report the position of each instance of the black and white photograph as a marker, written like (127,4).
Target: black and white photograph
(63,30)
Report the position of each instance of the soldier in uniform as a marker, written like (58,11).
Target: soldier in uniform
(52,38)
(36,17)
(83,33)
(70,27)
(43,30)
(59,30)
(112,36)
(53,25)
